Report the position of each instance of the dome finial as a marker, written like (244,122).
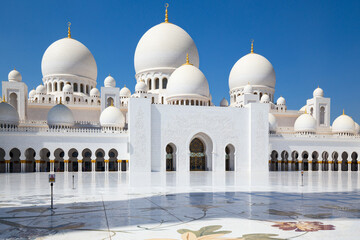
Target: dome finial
(111,103)
(69,32)
(166,12)
(187,60)
(252,45)
(343,111)
(305,111)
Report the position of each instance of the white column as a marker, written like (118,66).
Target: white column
(119,165)
(127,165)
(339,166)
(23,165)
(358,165)
(310,165)
(7,166)
(80,165)
(279,163)
(37,165)
(106,165)
(93,165)
(52,165)
(349,166)
(66,165)
(301,165)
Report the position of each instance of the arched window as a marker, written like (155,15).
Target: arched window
(55,86)
(67,99)
(156,83)
(187,102)
(311,111)
(192,102)
(322,115)
(152,100)
(110,101)
(81,88)
(149,83)
(87,89)
(162,100)
(14,100)
(61,86)
(75,87)
(164,83)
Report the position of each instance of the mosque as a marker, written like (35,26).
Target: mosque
(169,123)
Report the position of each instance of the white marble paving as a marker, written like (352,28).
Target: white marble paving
(173,206)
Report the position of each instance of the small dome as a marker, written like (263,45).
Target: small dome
(68,56)
(109,81)
(254,68)
(318,92)
(272,123)
(281,101)
(305,123)
(67,88)
(357,128)
(164,46)
(141,86)
(187,80)
(94,92)
(8,114)
(125,92)
(224,103)
(343,124)
(112,117)
(40,89)
(14,76)
(32,93)
(265,98)
(248,89)
(60,115)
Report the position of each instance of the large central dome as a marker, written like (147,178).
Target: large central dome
(164,46)
(68,56)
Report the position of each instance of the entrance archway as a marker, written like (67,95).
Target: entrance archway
(170,158)
(229,158)
(197,155)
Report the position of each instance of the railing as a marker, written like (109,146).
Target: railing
(62,130)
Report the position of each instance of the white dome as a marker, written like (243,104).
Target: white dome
(40,89)
(60,115)
(14,76)
(343,124)
(318,92)
(67,88)
(357,128)
(281,101)
(272,123)
(248,89)
(68,56)
(224,103)
(141,87)
(252,68)
(305,123)
(8,114)
(164,46)
(109,81)
(112,117)
(32,93)
(187,80)
(125,92)
(265,98)
(94,92)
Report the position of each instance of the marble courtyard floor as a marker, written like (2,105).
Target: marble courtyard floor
(197,205)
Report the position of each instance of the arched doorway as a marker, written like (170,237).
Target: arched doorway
(229,158)
(170,158)
(197,155)
(14,100)
(305,162)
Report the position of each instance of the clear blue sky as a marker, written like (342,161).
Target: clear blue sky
(309,43)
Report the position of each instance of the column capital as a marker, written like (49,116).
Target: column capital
(349,162)
(80,160)
(127,160)
(37,161)
(7,161)
(119,161)
(66,161)
(93,161)
(22,161)
(52,161)
(106,160)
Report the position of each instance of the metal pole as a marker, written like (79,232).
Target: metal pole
(51,184)
(73,181)
(302,177)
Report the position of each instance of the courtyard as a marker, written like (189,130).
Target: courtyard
(196,205)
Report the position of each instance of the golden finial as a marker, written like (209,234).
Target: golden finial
(343,111)
(187,60)
(252,45)
(305,111)
(111,103)
(69,32)
(124,85)
(166,12)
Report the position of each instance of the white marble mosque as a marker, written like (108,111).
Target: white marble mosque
(169,122)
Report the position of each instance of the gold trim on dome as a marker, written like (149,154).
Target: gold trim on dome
(69,31)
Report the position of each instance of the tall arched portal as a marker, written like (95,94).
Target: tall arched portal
(197,155)
(229,158)
(170,158)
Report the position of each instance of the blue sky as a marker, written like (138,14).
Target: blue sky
(309,43)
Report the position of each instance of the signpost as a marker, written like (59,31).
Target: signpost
(51,181)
